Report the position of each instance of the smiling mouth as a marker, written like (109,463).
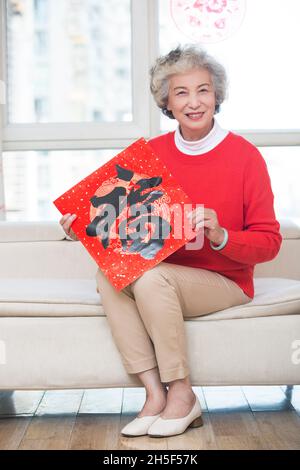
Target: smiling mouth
(194,116)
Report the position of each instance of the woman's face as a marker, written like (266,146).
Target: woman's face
(192,102)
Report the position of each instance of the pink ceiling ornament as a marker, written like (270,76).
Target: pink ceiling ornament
(208,21)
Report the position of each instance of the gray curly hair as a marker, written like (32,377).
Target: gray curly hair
(181,60)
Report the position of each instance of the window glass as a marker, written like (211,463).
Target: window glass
(33,179)
(259,53)
(284,170)
(69,61)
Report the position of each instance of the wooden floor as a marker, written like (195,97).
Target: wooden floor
(234,418)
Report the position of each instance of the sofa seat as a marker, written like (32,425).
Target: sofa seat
(35,297)
(54,333)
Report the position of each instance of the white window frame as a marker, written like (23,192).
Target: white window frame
(146,116)
(90,135)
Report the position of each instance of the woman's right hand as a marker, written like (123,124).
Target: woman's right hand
(66,222)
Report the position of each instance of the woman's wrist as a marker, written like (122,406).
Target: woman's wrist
(223,243)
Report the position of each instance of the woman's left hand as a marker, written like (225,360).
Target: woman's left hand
(207,218)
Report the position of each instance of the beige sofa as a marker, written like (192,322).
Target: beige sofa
(54,333)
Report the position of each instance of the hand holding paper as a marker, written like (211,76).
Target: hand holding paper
(126,213)
(66,223)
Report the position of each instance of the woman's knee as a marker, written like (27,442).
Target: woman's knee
(154,277)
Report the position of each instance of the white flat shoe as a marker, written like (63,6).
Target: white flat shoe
(173,426)
(139,426)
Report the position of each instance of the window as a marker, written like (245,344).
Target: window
(40,8)
(40,108)
(284,169)
(259,57)
(75,78)
(41,44)
(64,37)
(66,53)
(32,184)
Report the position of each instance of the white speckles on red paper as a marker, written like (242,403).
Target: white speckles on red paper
(121,267)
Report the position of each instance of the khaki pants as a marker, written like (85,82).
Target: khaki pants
(147,317)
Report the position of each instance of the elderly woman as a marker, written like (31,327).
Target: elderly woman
(228,176)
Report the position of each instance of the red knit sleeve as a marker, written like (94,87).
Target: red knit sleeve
(260,240)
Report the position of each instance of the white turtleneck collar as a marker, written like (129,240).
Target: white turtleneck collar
(197,147)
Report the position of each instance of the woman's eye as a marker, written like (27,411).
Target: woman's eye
(204,90)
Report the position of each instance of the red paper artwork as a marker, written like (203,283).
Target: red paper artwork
(131,213)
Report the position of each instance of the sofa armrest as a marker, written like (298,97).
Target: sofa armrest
(290,228)
(39,247)
(52,231)
(33,231)
(286,263)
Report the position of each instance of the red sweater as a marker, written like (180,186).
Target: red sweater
(233,180)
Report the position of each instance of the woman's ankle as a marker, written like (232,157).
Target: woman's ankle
(154,404)
(156,394)
(181,390)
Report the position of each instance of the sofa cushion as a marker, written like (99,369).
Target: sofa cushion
(78,298)
(49,297)
(273,296)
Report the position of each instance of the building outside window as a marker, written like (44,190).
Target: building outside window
(74,63)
